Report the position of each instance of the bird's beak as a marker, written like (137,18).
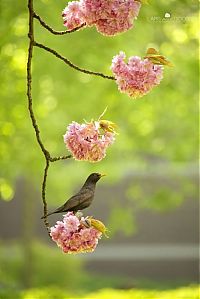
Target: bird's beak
(102,175)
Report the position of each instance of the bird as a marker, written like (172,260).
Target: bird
(82,199)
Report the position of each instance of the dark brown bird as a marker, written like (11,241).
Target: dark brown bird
(83,198)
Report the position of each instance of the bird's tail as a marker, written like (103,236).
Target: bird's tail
(49,214)
(59,210)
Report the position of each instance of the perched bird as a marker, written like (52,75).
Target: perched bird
(83,198)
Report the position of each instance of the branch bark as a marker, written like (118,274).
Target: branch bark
(29,80)
(45,209)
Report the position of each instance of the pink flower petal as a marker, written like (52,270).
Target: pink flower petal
(137,77)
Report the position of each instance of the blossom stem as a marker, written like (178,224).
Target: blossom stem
(53,159)
(69,63)
(46,26)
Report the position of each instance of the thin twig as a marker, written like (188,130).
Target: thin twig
(53,159)
(68,62)
(46,26)
(44,194)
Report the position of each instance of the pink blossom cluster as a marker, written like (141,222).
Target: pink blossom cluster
(72,236)
(109,16)
(73,15)
(88,141)
(137,77)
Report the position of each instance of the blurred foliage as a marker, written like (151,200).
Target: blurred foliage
(162,193)
(53,276)
(160,127)
(122,219)
(189,292)
(49,267)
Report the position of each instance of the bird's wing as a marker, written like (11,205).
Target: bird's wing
(76,200)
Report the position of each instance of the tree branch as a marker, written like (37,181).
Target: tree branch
(30,106)
(42,22)
(29,81)
(68,62)
(44,195)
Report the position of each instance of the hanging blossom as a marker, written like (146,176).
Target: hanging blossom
(76,234)
(109,16)
(89,141)
(137,77)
